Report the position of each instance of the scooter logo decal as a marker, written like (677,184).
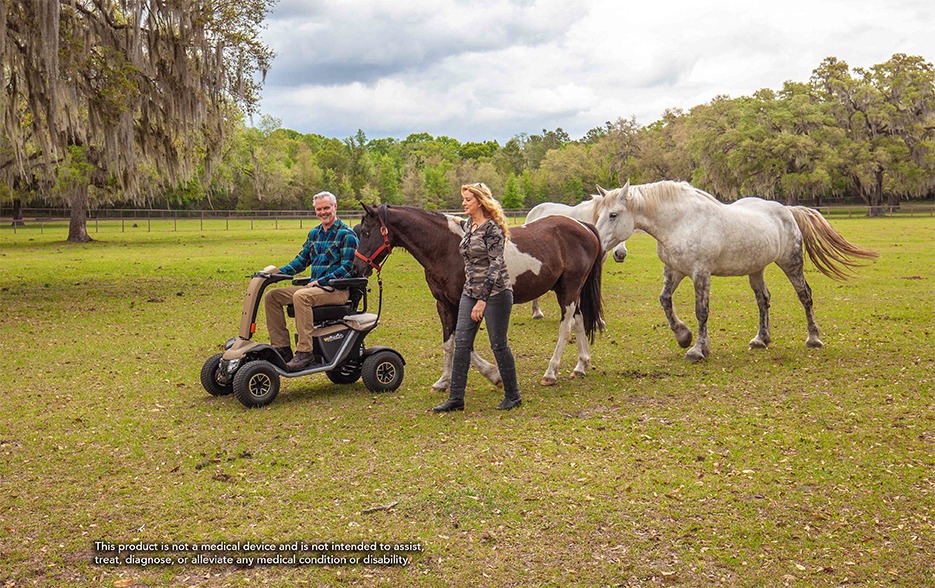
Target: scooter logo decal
(335,337)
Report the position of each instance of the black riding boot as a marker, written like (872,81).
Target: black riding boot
(509,403)
(452,404)
(507,368)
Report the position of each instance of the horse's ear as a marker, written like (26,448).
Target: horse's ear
(624,190)
(367,209)
(601,191)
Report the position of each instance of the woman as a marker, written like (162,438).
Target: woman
(487,293)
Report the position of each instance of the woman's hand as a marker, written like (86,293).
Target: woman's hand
(477,313)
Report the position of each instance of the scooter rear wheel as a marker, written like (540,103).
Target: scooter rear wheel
(256,384)
(345,373)
(383,371)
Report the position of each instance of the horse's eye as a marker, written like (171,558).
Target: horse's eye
(366,233)
(613,215)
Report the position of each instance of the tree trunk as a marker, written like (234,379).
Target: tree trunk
(78,223)
(18,220)
(893,202)
(876,196)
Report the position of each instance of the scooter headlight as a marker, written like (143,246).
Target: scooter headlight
(233,365)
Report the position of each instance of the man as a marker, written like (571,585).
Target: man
(329,251)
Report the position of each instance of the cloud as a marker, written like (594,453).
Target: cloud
(490,70)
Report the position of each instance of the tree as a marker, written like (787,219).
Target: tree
(483,150)
(662,152)
(110,89)
(886,113)
(617,150)
(512,194)
(711,141)
(569,172)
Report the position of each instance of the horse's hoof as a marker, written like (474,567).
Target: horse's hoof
(758,344)
(547,382)
(437,389)
(538,316)
(684,338)
(576,375)
(814,343)
(694,355)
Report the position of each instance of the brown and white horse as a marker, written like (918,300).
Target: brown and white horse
(555,253)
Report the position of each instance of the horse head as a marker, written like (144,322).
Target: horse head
(374,243)
(614,220)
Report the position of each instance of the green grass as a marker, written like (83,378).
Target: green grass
(786,466)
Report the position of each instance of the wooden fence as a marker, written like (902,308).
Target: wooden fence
(149,220)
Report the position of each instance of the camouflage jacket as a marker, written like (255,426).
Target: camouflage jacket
(485,270)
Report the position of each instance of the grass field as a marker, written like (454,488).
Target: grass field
(782,467)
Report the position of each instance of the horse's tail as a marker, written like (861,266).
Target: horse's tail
(830,252)
(592,303)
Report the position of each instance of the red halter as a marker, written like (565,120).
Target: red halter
(371,261)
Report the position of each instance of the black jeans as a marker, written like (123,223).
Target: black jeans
(497,315)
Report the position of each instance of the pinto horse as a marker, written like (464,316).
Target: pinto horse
(698,237)
(557,253)
(585,212)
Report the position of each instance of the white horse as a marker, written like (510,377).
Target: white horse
(585,212)
(698,237)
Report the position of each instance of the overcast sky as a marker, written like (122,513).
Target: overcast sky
(489,70)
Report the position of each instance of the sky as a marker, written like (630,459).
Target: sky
(494,69)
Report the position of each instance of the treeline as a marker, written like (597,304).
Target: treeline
(845,132)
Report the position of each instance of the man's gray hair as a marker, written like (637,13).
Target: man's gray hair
(328,195)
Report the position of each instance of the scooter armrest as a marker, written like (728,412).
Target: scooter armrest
(274,277)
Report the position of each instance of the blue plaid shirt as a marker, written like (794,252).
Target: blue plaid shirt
(329,253)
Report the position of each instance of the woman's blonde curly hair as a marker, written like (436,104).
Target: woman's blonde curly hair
(491,206)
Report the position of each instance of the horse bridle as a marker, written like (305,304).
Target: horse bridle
(371,261)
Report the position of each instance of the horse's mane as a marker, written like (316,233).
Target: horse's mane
(597,199)
(441,219)
(648,197)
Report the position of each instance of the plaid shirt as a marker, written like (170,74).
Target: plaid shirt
(329,253)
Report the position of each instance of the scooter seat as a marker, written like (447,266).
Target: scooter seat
(357,304)
(360,322)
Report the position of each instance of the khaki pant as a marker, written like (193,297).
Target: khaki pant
(304,299)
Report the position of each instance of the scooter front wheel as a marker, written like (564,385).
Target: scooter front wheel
(209,377)
(256,384)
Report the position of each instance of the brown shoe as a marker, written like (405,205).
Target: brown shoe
(300,361)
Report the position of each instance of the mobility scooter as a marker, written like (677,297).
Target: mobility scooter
(251,371)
